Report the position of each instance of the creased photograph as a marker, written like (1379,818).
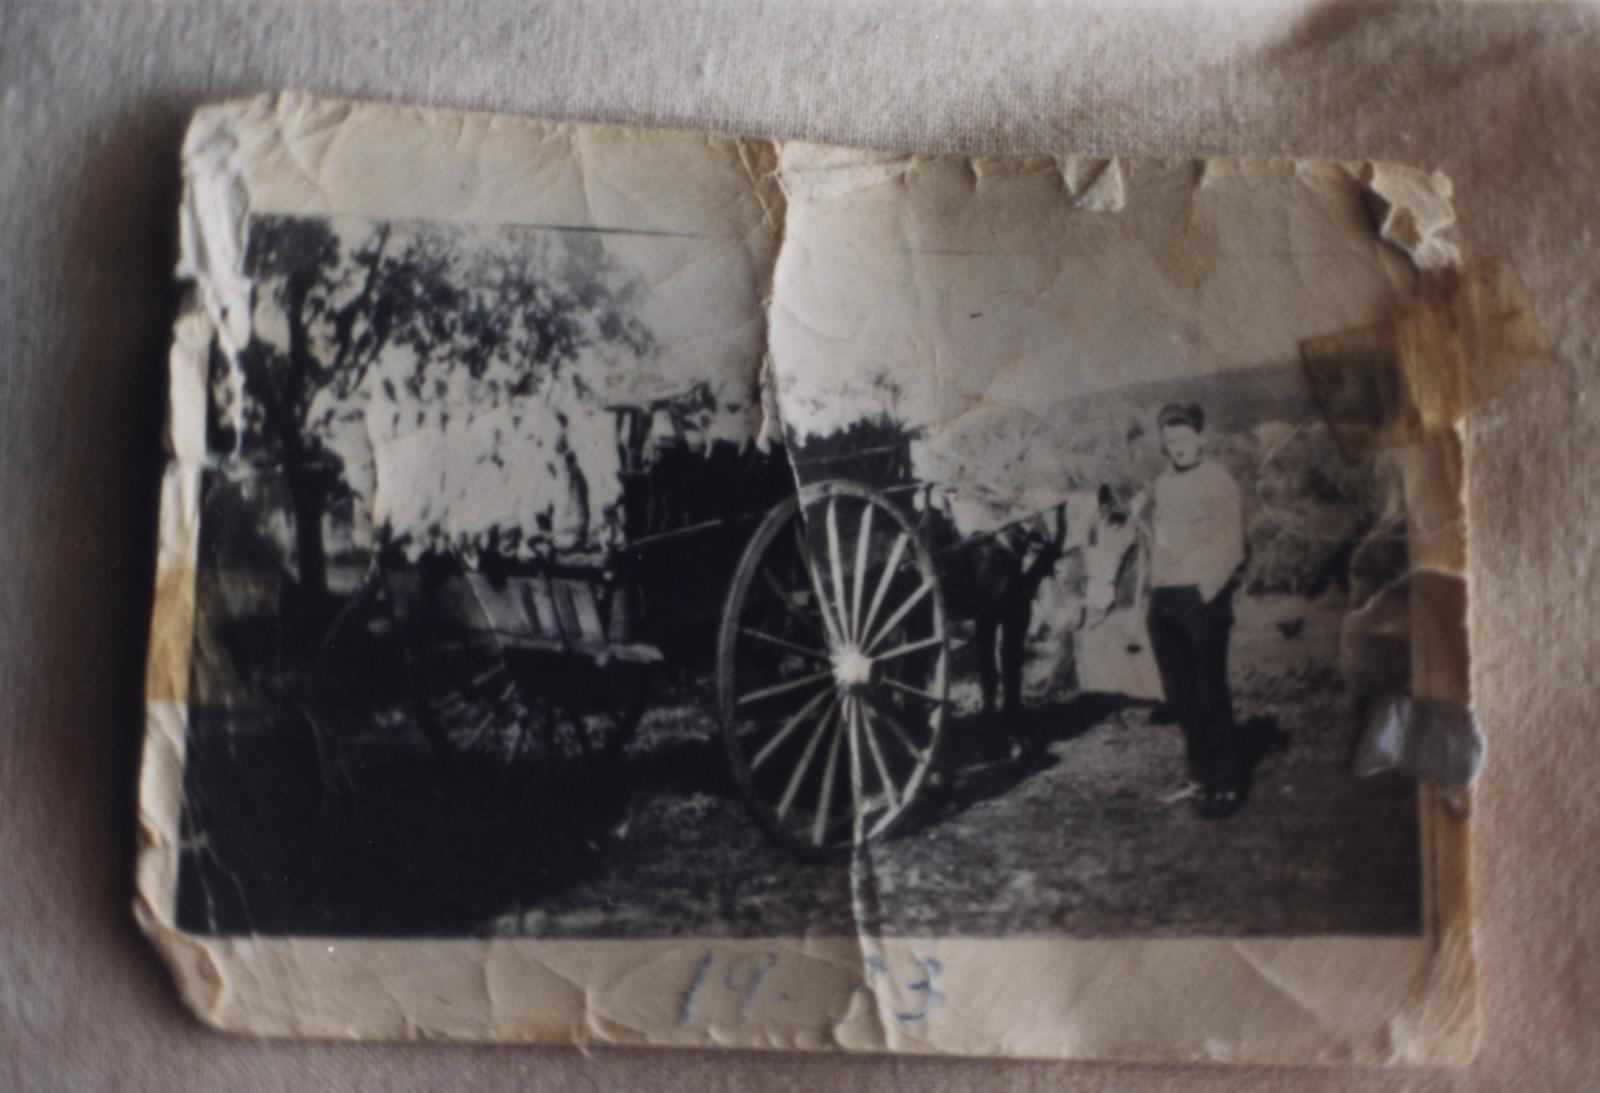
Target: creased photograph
(635,587)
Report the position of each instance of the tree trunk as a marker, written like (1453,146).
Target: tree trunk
(307,606)
(308,492)
(309,498)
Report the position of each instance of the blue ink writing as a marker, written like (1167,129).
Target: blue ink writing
(924,986)
(686,1010)
(759,965)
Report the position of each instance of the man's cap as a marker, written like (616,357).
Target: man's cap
(1182,413)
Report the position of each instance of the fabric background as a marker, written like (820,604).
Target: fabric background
(94,95)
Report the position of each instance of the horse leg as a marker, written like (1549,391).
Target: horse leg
(1013,639)
(1013,651)
(983,633)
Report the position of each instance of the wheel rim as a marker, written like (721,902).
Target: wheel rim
(833,667)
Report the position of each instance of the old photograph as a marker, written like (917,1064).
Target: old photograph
(731,541)
(506,630)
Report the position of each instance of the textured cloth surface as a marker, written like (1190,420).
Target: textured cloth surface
(93,100)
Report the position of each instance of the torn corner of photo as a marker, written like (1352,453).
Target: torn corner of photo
(639,567)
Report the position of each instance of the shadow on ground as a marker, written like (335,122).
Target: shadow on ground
(286,832)
(977,763)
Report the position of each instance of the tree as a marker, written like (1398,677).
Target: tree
(507,308)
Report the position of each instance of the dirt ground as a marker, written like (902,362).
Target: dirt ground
(1084,842)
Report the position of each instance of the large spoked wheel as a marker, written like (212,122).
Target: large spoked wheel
(832,665)
(479,700)
(465,693)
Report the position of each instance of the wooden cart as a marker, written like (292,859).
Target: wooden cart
(817,612)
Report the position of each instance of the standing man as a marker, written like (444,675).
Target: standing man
(1197,533)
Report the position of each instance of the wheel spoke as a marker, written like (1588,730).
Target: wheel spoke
(877,758)
(836,568)
(900,612)
(819,826)
(899,731)
(479,729)
(863,541)
(783,688)
(805,760)
(820,655)
(909,648)
(787,728)
(486,675)
(834,638)
(914,692)
(884,581)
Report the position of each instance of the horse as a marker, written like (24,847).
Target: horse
(993,579)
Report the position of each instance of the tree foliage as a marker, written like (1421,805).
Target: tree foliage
(350,310)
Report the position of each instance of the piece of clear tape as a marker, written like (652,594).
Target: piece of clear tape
(1432,740)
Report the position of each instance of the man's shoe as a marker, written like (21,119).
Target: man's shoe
(1219,803)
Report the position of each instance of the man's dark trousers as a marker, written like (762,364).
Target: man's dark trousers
(1190,640)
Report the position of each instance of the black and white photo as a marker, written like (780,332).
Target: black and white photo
(701,543)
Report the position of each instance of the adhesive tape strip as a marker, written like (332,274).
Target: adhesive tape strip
(1434,741)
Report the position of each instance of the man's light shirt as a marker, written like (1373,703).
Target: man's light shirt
(1197,527)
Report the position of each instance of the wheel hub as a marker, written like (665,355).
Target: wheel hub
(852,669)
